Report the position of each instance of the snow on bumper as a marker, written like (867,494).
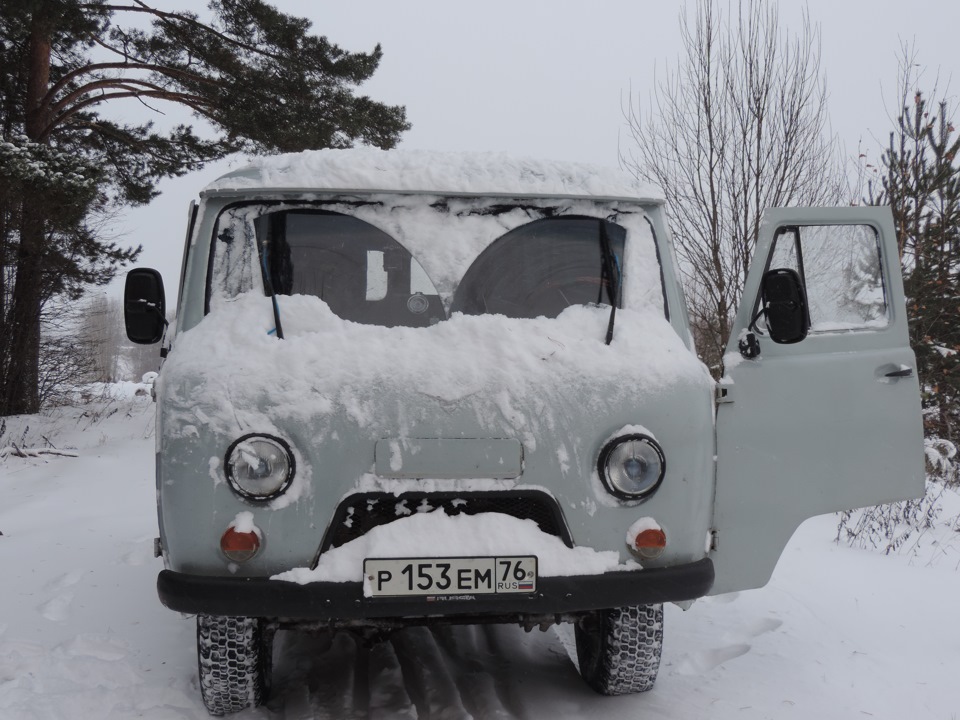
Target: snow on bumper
(438,534)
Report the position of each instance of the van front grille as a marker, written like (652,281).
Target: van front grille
(360,513)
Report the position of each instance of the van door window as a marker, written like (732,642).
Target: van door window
(840,268)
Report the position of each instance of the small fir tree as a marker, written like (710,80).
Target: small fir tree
(921,182)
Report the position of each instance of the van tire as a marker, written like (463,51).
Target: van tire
(234,657)
(618,650)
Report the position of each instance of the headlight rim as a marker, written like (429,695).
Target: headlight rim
(246,494)
(610,487)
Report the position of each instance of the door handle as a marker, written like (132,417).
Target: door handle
(902,372)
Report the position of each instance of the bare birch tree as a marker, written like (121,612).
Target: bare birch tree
(739,125)
(101,336)
(101,331)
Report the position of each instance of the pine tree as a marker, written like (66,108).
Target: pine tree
(921,183)
(256,75)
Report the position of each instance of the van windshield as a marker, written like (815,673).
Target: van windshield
(536,268)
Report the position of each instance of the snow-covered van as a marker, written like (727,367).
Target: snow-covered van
(413,388)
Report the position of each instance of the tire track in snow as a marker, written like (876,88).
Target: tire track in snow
(469,658)
(55,609)
(389,697)
(458,672)
(427,676)
(326,676)
(315,674)
(502,651)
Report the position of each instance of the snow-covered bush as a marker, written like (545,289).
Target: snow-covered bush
(942,461)
(889,527)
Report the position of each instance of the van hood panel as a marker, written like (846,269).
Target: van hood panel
(399,380)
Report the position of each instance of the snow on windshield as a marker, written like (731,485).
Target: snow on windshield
(230,364)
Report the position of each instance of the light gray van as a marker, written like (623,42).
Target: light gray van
(416,388)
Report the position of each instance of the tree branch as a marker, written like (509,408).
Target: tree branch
(122,83)
(196,102)
(172,73)
(168,18)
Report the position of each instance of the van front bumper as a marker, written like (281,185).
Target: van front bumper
(344,603)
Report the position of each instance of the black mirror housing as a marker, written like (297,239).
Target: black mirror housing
(144,306)
(785,306)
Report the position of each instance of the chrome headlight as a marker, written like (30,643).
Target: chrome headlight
(632,466)
(259,467)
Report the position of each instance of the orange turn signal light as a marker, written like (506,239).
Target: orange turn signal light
(650,543)
(239,546)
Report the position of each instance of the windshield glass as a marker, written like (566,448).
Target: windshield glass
(543,267)
(522,261)
(362,273)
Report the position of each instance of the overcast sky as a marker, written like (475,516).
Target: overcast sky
(550,78)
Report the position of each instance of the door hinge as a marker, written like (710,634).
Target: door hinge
(714,540)
(723,393)
(749,346)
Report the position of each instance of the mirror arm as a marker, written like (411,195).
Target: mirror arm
(753,321)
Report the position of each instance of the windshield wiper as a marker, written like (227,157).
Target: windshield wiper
(610,264)
(268,286)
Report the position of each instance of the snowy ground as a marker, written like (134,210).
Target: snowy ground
(838,633)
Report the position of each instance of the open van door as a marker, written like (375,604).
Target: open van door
(818,409)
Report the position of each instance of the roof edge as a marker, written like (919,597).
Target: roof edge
(417,172)
(302,192)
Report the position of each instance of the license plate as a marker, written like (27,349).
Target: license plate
(392,577)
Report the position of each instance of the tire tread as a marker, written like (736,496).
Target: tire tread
(624,656)
(233,661)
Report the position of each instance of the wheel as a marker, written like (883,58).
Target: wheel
(618,650)
(234,656)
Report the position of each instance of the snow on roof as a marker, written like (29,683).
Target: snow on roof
(407,171)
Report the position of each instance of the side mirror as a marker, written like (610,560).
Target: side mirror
(785,306)
(144,307)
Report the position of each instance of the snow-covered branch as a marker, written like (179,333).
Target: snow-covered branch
(20,452)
